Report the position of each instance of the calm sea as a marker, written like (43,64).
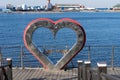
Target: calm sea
(102,28)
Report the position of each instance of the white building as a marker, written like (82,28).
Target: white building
(24,7)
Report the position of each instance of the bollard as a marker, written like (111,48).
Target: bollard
(87,65)
(9,70)
(102,68)
(80,71)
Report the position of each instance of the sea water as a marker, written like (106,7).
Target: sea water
(102,28)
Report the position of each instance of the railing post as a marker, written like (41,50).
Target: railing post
(80,70)
(0,57)
(22,63)
(89,53)
(112,58)
(87,65)
(9,70)
(102,68)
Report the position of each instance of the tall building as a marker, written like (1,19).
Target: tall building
(49,5)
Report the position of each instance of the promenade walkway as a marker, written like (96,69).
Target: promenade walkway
(41,74)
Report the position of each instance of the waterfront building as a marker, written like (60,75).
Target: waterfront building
(49,5)
(36,8)
(18,8)
(42,7)
(10,6)
(29,8)
(116,8)
(24,7)
(64,7)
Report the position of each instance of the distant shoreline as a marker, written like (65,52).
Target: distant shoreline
(25,12)
(36,12)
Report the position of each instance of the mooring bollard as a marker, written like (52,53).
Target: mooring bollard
(87,65)
(9,70)
(102,68)
(80,70)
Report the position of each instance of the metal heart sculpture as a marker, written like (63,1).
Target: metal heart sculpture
(54,27)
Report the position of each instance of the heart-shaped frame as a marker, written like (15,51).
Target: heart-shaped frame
(54,27)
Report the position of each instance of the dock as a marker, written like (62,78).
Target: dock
(25,69)
(42,74)
(84,71)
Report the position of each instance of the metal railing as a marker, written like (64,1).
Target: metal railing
(22,58)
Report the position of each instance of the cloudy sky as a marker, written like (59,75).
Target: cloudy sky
(87,3)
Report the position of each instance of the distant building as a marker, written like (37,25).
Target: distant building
(42,7)
(68,6)
(24,7)
(116,8)
(49,5)
(10,6)
(18,8)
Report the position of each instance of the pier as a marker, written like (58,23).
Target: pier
(41,74)
(83,72)
(25,67)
